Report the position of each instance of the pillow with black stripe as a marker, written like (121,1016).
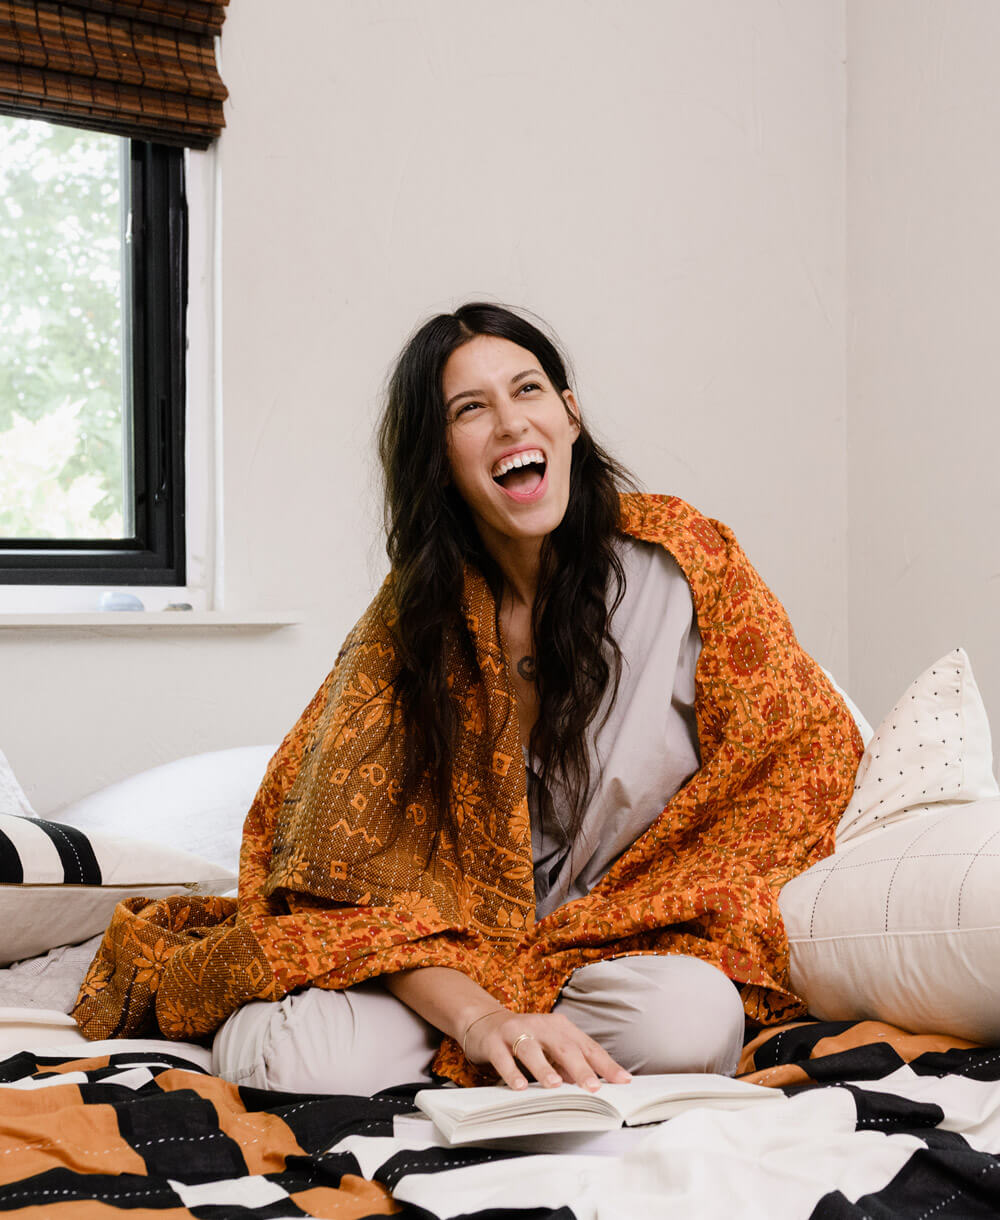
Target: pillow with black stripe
(59,884)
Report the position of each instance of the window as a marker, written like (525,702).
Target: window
(93,257)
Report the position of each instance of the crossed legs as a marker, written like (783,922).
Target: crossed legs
(651,1013)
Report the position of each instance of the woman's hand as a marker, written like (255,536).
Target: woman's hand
(548,1045)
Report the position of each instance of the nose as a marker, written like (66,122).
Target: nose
(511,418)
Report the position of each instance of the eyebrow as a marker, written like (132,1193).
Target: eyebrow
(473,393)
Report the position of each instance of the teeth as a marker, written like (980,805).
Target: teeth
(526,458)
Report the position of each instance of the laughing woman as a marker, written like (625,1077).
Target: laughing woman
(545,801)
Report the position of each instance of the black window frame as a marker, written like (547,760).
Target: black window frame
(158,262)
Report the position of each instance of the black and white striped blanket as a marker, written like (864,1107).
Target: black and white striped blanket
(875,1123)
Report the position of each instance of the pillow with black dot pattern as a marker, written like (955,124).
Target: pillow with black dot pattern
(902,922)
(933,750)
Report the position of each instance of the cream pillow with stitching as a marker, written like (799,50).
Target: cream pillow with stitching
(902,922)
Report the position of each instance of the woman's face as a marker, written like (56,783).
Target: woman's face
(509,439)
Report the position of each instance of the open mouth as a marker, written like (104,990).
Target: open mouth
(520,474)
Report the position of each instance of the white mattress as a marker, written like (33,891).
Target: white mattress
(55,1033)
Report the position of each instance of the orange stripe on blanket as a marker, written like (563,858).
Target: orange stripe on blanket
(859,1034)
(84,1139)
(906,1045)
(36,1102)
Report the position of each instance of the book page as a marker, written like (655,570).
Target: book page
(647,1098)
(497,1101)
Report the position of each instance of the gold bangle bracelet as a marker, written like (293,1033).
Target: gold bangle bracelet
(465,1036)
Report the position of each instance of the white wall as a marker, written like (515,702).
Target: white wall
(923,244)
(662,181)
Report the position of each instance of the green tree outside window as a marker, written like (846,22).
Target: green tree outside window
(62,458)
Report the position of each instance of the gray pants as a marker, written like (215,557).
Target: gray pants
(650,1013)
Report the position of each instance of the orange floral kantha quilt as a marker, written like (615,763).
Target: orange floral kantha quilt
(344,875)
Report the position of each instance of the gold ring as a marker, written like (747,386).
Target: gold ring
(518,1040)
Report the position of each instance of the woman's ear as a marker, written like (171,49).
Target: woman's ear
(572,409)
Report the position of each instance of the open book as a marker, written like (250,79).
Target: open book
(494,1112)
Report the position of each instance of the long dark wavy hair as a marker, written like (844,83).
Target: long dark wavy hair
(430,537)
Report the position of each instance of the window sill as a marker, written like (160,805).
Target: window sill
(115,620)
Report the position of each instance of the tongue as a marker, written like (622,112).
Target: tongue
(523,480)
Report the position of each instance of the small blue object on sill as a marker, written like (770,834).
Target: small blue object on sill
(120,601)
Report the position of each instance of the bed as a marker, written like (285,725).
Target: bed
(875,1123)
(891,1092)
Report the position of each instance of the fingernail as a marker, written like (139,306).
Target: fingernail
(553,1080)
(592,1082)
(626,1077)
(520,1083)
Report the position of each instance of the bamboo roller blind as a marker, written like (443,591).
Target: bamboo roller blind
(138,68)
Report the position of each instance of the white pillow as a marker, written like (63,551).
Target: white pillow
(902,922)
(864,728)
(905,926)
(12,798)
(197,803)
(59,885)
(933,749)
